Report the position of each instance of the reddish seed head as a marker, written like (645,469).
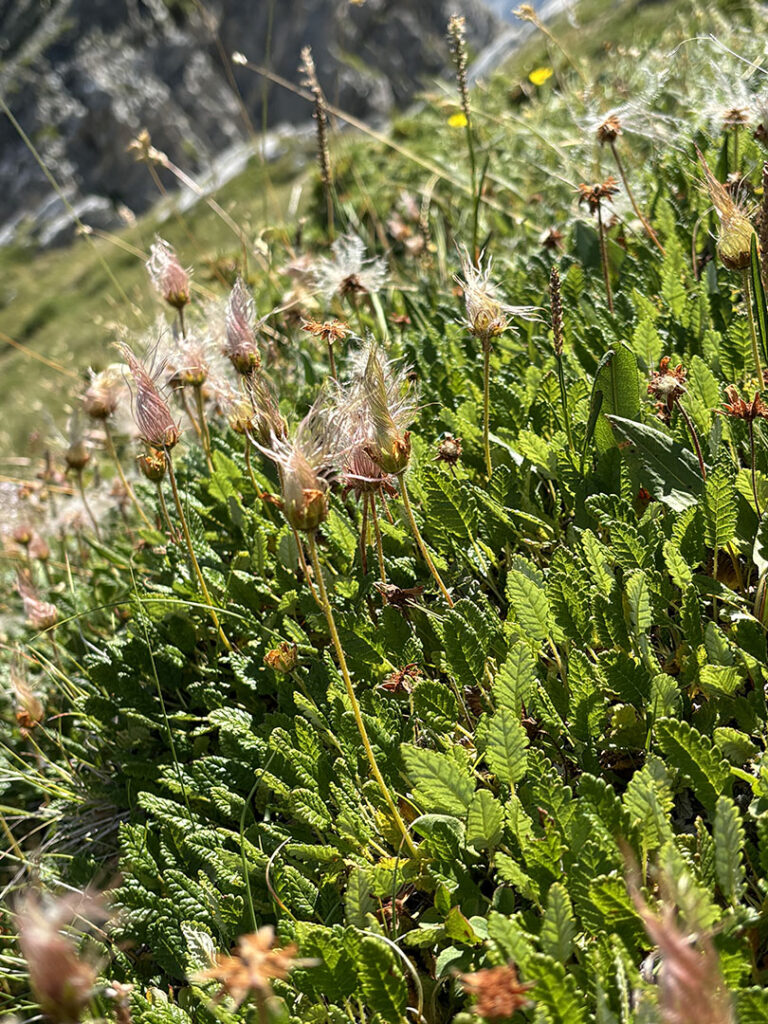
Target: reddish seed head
(41,615)
(168,276)
(739,409)
(150,410)
(282,658)
(252,966)
(498,992)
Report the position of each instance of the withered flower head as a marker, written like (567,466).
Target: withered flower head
(498,992)
(103,394)
(38,548)
(551,239)
(305,460)
(667,385)
(150,410)
(242,348)
(402,679)
(40,614)
(399,597)
(736,117)
(734,242)
(609,130)
(170,279)
(486,315)
(593,195)
(189,361)
(449,450)
(152,465)
(252,966)
(62,982)
(282,658)
(329,330)
(242,418)
(739,409)
(349,271)
(76,454)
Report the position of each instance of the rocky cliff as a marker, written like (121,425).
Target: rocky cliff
(84,76)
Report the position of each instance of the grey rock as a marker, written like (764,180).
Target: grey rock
(83,77)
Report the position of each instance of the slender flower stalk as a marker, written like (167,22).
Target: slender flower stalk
(593,196)
(556,306)
(486,318)
(304,459)
(737,408)
(77,458)
(607,133)
(112,451)
(377,534)
(353,697)
(330,331)
(748,298)
(668,386)
(420,542)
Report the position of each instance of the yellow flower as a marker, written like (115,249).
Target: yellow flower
(457,121)
(540,75)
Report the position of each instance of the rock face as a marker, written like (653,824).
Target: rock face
(83,77)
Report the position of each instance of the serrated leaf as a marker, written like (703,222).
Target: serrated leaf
(485,819)
(530,604)
(381,982)
(506,743)
(439,783)
(688,751)
(729,846)
(719,509)
(556,991)
(558,927)
(515,679)
(435,705)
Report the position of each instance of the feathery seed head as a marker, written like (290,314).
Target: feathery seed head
(170,279)
(29,707)
(734,243)
(41,615)
(498,992)
(267,421)
(188,362)
(667,384)
(103,393)
(305,460)
(349,271)
(387,404)
(62,982)
(241,346)
(153,418)
(486,315)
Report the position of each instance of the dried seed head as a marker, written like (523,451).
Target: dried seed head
(153,418)
(241,347)
(242,418)
(487,316)
(609,130)
(188,362)
(103,394)
(252,966)
(349,271)
(41,615)
(737,408)
(498,992)
(449,450)
(402,679)
(667,385)
(283,658)
(62,983)
(304,461)
(170,279)
(593,195)
(152,465)
(329,330)
(736,117)
(734,243)
(38,548)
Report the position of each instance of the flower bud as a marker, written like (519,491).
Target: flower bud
(168,276)
(152,465)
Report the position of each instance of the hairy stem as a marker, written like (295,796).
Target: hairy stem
(694,438)
(604,258)
(112,451)
(86,506)
(377,534)
(205,434)
(752,331)
(752,466)
(191,550)
(487,409)
(420,543)
(353,697)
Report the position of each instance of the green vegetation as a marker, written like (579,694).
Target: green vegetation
(497,752)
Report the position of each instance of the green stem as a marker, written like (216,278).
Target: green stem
(352,696)
(81,488)
(752,331)
(420,542)
(694,438)
(752,466)
(564,403)
(604,258)
(192,555)
(487,409)
(377,534)
(112,451)
(649,230)
(205,434)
